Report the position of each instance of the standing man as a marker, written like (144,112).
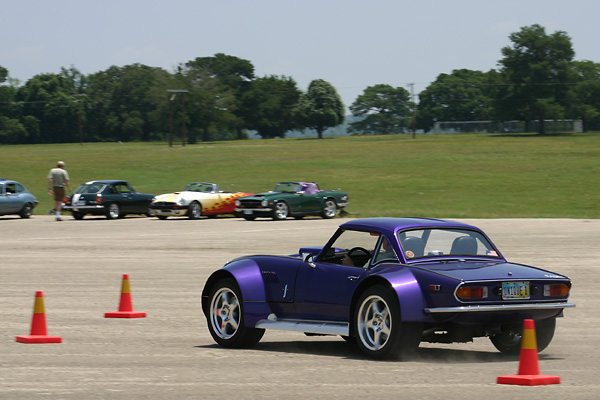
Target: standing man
(58,178)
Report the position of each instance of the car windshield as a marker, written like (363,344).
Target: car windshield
(287,187)
(438,242)
(93,187)
(200,187)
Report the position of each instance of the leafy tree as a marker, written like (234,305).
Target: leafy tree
(382,109)
(463,95)
(536,69)
(216,85)
(320,108)
(53,100)
(584,95)
(124,99)
(269,104)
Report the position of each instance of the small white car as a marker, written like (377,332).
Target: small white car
(196,200)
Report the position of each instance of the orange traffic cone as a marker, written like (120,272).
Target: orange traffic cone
(125,306)
(529,370)
(39,332)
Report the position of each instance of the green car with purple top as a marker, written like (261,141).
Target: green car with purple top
(292,199)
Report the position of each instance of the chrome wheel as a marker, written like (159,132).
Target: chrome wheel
(329,209)
(225,313)
(194,210)
(374,323)
(281,211)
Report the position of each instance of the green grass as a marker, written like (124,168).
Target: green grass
(456,176)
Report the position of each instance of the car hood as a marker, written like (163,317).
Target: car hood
(265,194)
(487,270)
(173,197)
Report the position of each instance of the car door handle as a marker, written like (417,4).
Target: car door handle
(353,277)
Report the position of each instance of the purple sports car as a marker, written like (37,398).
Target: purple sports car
(387,284)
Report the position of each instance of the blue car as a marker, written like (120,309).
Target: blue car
(16,199)
(387,284)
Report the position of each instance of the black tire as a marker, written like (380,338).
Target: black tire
(249,217)
(77,215)
(329,209)
(281,211)
(510,343)
(378,327)
(163,217)
(113,211)
(194,210)
(225,317)
(26,211)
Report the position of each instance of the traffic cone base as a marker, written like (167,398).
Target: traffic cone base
(529,370)
(528,380)
(125,304)
(125,314)
(39,339)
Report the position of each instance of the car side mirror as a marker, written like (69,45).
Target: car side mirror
(308,257)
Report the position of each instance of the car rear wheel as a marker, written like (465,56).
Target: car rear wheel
(329,209)
(194,210)
(510,343)
(77,215)
(226,317)
(281,211)
(379,330)
(26,211)
(113,211)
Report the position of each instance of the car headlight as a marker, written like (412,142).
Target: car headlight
(179,202)
(238,203)
(264,203)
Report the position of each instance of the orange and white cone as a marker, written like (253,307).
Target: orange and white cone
(125,305)
(39,331)
(529,369)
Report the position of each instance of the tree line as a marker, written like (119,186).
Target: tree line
(221,98)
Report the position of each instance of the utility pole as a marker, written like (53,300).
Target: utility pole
(175,91)
(414,107)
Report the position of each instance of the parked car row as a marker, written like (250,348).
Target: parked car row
(117,198)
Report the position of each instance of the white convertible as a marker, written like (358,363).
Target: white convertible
(196,200)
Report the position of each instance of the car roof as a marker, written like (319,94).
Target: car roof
(107,181)
(4,180)
(393,225)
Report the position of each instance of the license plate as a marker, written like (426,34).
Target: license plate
(247,211)
(515,290)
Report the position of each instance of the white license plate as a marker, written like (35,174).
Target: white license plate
(515,290)
(247,211)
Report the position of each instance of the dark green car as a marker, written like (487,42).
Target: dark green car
(292,199)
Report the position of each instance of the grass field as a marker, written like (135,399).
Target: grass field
(454,176)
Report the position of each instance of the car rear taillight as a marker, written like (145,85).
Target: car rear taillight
(556,290)
(98,198)
(472,292)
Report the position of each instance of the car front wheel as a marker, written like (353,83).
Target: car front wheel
(26,211)
(194,210)
(329,209)
(226,317)
(380,332)
(510,343)
(113,211)
(281,211)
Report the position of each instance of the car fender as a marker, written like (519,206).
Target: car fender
(407,288)
(249,279)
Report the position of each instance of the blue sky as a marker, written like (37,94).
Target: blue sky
(351,44)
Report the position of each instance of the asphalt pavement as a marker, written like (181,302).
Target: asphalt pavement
(79,266)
